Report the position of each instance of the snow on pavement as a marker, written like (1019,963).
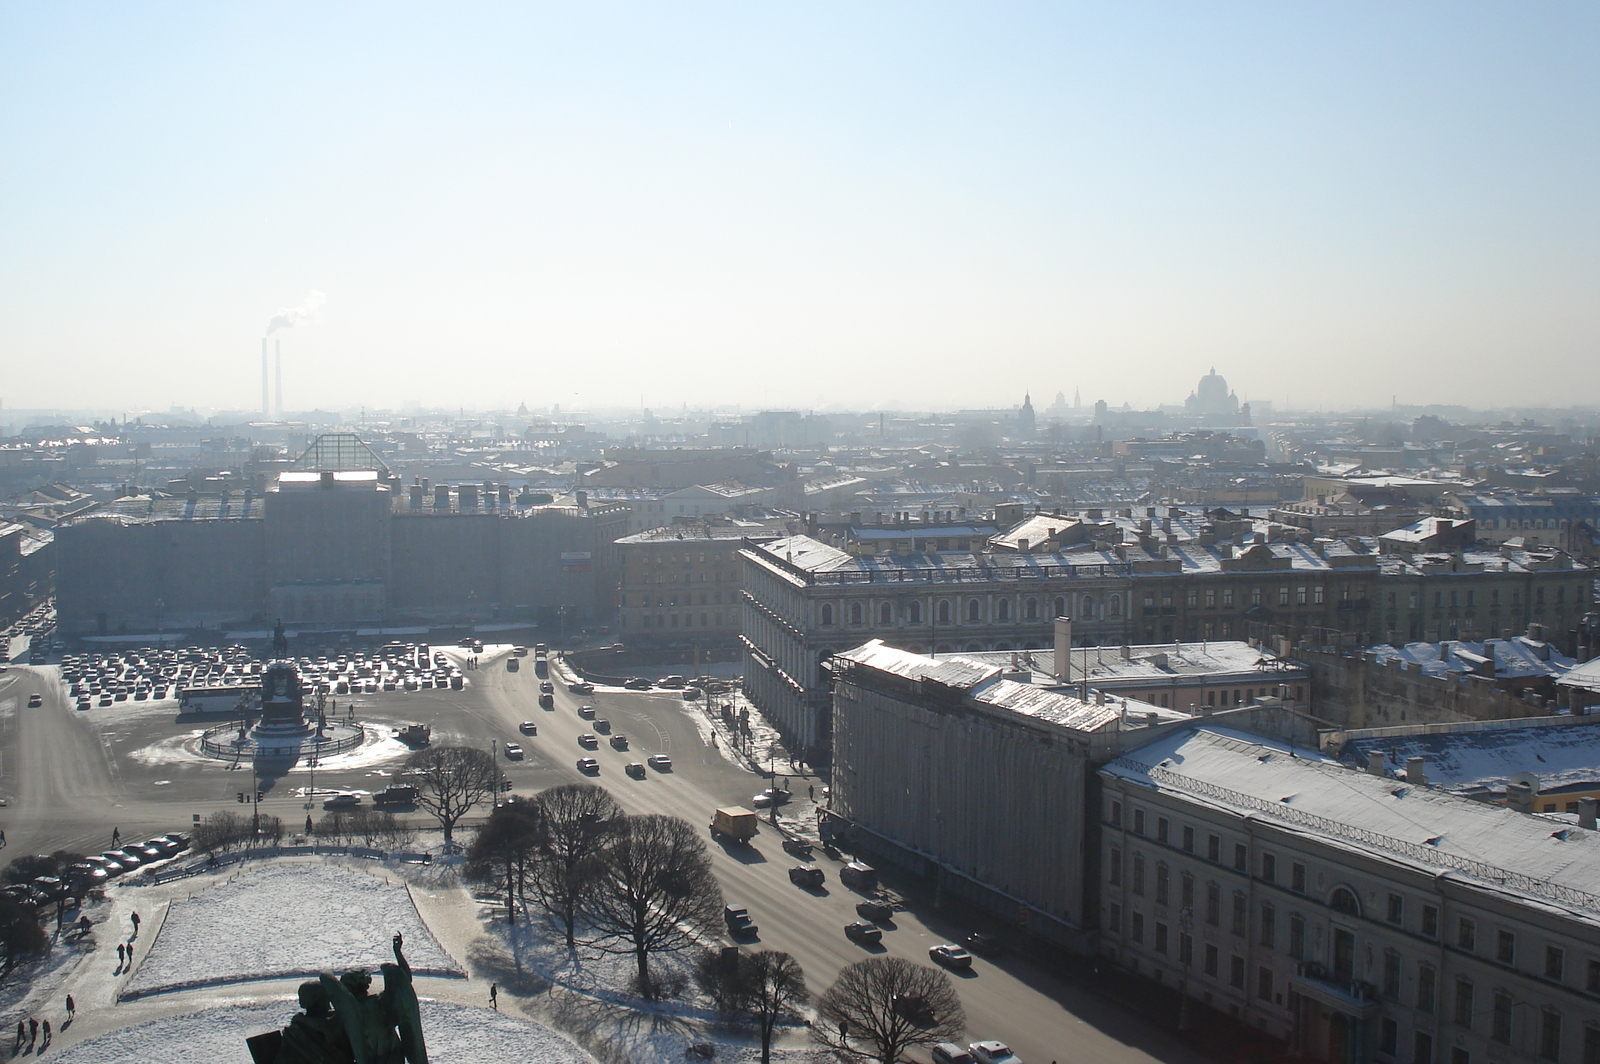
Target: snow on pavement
(286,919)
(456,1034)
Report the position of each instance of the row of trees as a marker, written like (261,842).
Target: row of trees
(643,885)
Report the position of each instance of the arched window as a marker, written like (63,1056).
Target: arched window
(827,614)
(1343,900)
(1002,610)
(1086,608)
(855,613)
(886,614)
(974,611)
(914,612)
(1114,605)
(1061,606)
(1030,610)
(944,611)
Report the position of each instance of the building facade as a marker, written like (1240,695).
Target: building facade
(683,582)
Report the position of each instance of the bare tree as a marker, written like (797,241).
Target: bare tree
(502,853)
(451,781)
(221,832)
(769,985)
(21,937)
(654,891)
(888,1005)
(572,823)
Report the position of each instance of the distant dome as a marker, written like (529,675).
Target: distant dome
(1213,400)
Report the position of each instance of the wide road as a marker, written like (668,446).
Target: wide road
(71,777)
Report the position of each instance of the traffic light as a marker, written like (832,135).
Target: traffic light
(239,795)
(505,785)
(260,795)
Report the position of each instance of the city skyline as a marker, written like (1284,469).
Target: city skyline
(625,206)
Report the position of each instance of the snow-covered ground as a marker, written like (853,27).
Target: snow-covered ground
(456,1034)
(282,919)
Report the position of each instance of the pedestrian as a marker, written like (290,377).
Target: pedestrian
(116,837)
(811,791)
(122,952)
(46,1043)
(135,919)
(494,996)
(22,1034)
(33,1030)
(72,1008)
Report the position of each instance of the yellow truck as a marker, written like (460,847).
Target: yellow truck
(734,822)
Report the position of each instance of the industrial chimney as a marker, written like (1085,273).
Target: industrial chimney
(266,411)
(1063,655)
(277,346)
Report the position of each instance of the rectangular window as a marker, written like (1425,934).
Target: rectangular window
(1388,1036)
(1555,963)
(1138,873)
(1214,848)
(1227,598)
(1193,599)
(1269,868)
(1138,927)
(1138,821)
(1297,878)
(1464,1003)
(1185,949)
(1505,948)
(1283,596)
(1236,972)
(1425,983)
(1255,596)
(1240,912)
(1591,1045)
(1211,599)
(1161,829)
(1430,921)
(1211,961)
(1297,937)
(1422,1048)
(1241,857)
(1213,904)
(1550,1035)
(1114,919)
(1467,935)
(1397,909)
(1161,937)
(1114,867)
(1300,595)
(1500,1029)
(1186,891)
(1188,839)
(1161,883)
(1116,814)
(1593,983)
(1391,975)
(1264,984)
(1316,595)
(1269,925)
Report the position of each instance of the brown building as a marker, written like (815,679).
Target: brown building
(682,582)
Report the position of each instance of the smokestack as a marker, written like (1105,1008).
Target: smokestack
(266,410)
(277,346)
(1375,763)
(1415,773)
(1063,655)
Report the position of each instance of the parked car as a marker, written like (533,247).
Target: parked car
(981,944)
(673,682)
(589,765)
(875,910)
(660,762)
(582,687)
(797,847)
(514,751)
(770,797)
(589,741)
(528,727)
(638,683)
(863,932)
(807,876)
(991,1051)
(950,955)
(635,770)
(950,1053)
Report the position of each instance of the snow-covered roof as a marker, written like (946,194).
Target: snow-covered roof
(1513,658)
(1538,858)
(1475,757)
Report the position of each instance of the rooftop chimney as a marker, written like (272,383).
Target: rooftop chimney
(1586,812)
(1415,772)
(1063,655)
(1375,763)
(1519,796)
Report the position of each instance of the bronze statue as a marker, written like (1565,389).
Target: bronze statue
(386,1029)
(314,1036)
(280,642)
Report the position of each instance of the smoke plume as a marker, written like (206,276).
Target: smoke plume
(289,317)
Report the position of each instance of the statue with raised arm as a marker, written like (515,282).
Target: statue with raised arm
(386,1029)
(280,642)
(314,1036)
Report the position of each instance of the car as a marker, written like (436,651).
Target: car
(342,800)
(950,955)
(797,847)
(163,844)
(589,741)
(862,877)
(546,687)
(540,648)
(635,770)
(147,852)
(913,1007)
(738,920)
(513,665)
(619,741)
(863,932)
(547,701)
(586,712)
(519,652)
(582,687)
(528,727)
(35,700)
(981,944)
(85,872)
(660,762)
(770,797)
(589,765)
(879,911)
(396,794)
(992,1051)
(807,876)
(602,725)
(950,1053)
(671,682)
(514,751)
(126,858)
(637,683)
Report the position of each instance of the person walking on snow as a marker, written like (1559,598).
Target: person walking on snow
(122,952)
(135,919)
(494,996)
(72,1008)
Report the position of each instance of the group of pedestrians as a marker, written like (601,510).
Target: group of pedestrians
(36,1036)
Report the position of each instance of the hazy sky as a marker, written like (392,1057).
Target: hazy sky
(800,205)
